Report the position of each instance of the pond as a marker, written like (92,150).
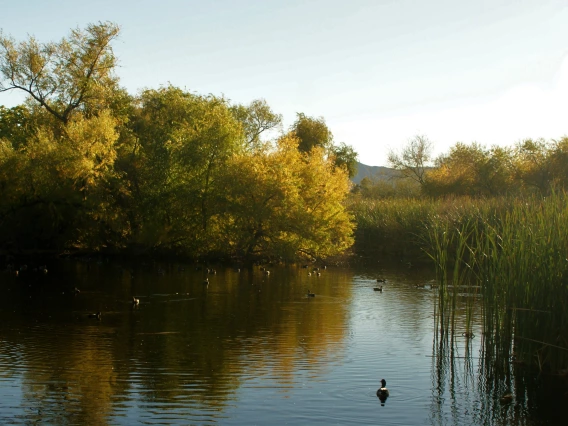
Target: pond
(248,348)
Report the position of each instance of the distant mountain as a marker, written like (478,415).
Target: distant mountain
(377,172)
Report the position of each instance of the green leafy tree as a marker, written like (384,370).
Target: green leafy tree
(75,74)
(16,125)
(532,165)
(345,157)
(311,132)
(257,119)
(559,162)
(51,188)
(184,142)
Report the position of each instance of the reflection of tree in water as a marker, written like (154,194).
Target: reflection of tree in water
(68,375)
(185,352)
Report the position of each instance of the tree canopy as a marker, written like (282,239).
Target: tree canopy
(85,165)
(77,72)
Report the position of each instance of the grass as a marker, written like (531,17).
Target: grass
(513,252)
(517,257)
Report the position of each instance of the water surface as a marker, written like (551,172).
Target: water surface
(249,348)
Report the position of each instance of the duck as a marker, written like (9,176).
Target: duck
(383,392)
(206,282)
(135,301)
(311,294)
(379,288)
(96,316)
(381,280)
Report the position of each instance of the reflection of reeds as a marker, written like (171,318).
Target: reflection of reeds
(517,257)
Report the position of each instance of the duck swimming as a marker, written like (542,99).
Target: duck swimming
(96,316)
(379,288)
(383,392)
(135,301)
(311,294)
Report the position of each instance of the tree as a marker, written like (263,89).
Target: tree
(286,204)
(311,132)
(345,157)
(16,125)
(532,165)
(52,188)
(471,170)
(75,73)
(414,158)
(184,142)
(256,119)
(61,145)
(559,161)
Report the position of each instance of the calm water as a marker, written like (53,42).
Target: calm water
(249,349)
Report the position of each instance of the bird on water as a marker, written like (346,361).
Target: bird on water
(383,392)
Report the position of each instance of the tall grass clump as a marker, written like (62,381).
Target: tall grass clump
(517,256)
(401,227)
(390,227)
(449,254)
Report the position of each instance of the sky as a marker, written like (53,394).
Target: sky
(379,72)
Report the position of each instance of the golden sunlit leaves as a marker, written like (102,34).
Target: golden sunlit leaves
(287,202)
(85,165)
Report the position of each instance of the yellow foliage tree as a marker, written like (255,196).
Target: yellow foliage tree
(286,203)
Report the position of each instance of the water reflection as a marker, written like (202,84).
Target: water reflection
(182,352)
(247,348)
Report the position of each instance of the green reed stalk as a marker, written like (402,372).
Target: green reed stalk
(514,251)
(518,258)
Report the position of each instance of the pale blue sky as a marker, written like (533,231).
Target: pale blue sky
(378,71)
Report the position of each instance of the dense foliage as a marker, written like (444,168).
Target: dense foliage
(85,165)
(529,167)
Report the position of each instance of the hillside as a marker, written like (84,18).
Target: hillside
(378,172)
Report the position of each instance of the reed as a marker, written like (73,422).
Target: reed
(390,226)
(400,227)
(517,256)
